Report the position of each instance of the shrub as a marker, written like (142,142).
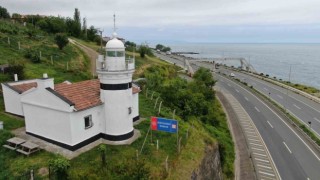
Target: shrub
(59,166)
(61,40)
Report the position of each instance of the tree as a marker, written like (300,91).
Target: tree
(4,13)
(166,49)
(61,40)
(204,75)
(160,47)
(92,33)
(76,29)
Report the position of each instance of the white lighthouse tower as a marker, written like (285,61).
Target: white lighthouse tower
(115,75)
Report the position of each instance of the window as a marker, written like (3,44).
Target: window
(115,53)
(88,122)
(111,53)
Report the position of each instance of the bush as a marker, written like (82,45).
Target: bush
(61,40)
(33,55)
(59,166)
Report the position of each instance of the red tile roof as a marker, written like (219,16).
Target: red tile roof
(84,94)
(24,87)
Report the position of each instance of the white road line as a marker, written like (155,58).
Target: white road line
(266,173)
(237,90)
(316,119)
(267,167)
(280,119)
(261,160)
(257,149)
(287,147)
(253,140)
(260,154)
(246,98)
(270,124)
(296,106)
(257,109)
(255,144)
(265,89)
(229,84)
(279,96)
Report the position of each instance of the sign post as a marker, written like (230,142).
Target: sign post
(166,125)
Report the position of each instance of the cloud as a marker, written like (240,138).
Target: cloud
(162,15)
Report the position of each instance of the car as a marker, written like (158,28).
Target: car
(232,75)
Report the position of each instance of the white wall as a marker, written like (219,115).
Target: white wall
(118,119)
(47,115)
(48,123)
(78,131)
(12,101)
(135,108)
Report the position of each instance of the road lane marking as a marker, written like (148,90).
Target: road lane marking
(246,98)
(266,173)
(287,147)
(262,160)
(316,119)
(265,89)
(253,140)
(237,90)
(255,144)
(296,106)
(280,119)
(257,109)
(279,96)
(267,167)
(229,84)
(270,124)
(258,149)
(259,154)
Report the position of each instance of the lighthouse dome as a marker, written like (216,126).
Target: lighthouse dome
(114,43)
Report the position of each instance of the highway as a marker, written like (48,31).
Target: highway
(302,108)
(293,157)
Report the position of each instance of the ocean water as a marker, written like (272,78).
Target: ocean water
(272,59)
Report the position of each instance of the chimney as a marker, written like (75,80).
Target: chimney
(15,76)
(45,82)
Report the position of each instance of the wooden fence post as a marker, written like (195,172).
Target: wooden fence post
(160,108)
(167,166)
(155,105)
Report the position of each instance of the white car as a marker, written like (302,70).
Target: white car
(232,75)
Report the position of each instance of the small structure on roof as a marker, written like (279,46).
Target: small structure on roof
(72,115)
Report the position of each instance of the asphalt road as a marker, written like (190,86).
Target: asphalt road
(292,156)
(302,108)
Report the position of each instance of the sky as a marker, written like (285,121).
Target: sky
(190,21)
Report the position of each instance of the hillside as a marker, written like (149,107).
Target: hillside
(67,64)
(197,135)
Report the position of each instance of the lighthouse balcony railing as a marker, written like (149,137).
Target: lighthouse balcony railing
(129,65)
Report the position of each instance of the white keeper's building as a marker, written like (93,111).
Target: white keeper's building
(72,115)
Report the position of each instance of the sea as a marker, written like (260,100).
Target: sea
(273,59)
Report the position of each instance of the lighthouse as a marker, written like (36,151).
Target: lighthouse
(115,76)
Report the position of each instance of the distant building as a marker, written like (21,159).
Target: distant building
(72,115)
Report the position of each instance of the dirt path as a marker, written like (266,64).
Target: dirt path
(92,54)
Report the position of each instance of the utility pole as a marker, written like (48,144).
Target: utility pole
(100,31)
